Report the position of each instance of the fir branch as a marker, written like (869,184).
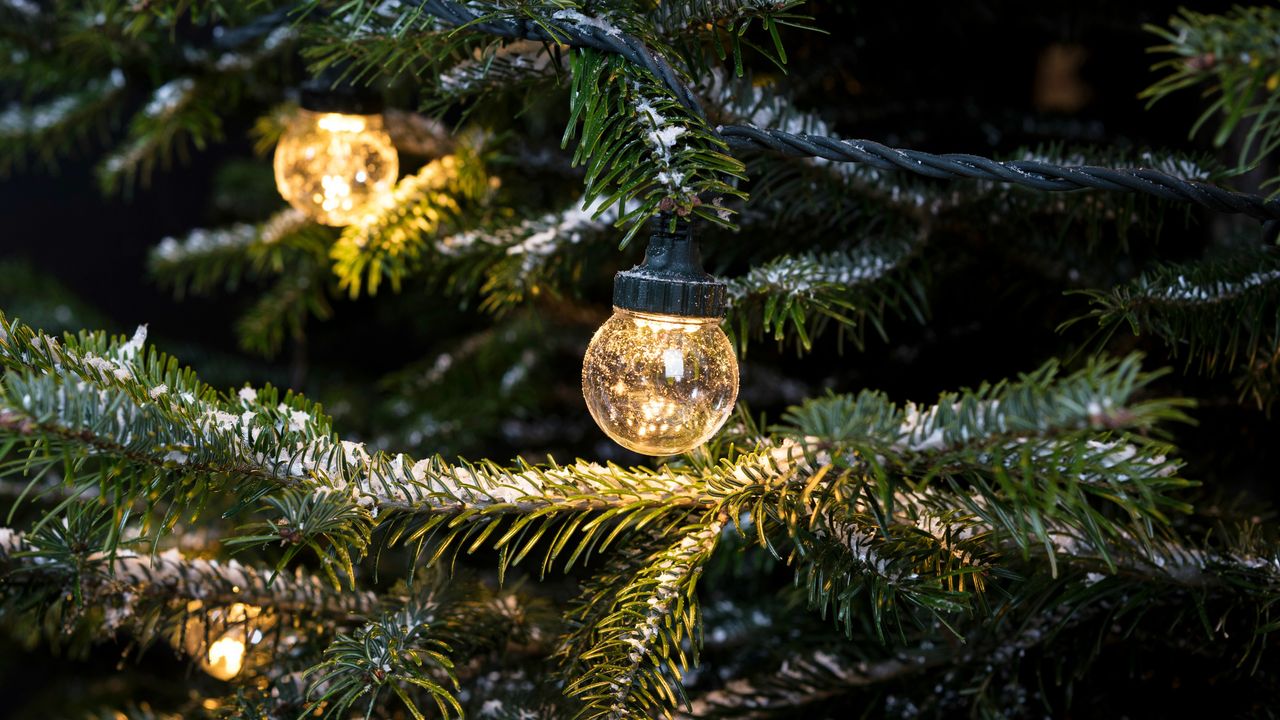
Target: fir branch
(1028,443)
(1220,313)
(1100,396)
(641,145)
(532,257)
(379,39)
(180,439)
(728,22)
(596,598)
(1232,56)
(104,395)
(53,556)
(799,295)
(54,128)
(908,492)
(396,651)
(650,634)
(206,259)
(330,525)
(495,68)
(288,247)
(179,112)
(393,237)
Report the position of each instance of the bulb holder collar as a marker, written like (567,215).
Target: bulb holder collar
(671,280)
(333,92)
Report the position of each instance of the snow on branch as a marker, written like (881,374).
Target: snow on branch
(1218,312)
(534,239)
(640,650)
(174,576)
(22,120)
(656,156)
(496,67)
(181,111)
(805,274)
(803,293)
(112,398)
(287,244)
(534,253)
(201,243)
(54,127)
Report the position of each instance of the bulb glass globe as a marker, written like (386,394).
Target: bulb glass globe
(659,384)
(335,167)
(225,657)
(220,637)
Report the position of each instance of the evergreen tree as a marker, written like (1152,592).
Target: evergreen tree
(1083,529)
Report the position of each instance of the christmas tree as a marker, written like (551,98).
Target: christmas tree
(569,359)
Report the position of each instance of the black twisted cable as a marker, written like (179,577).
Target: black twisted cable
(571,33)
(1028,173)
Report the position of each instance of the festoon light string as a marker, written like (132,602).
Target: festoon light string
(660,376)
(656,377)
(1036,175)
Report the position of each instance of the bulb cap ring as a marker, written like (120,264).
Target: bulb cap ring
(633,290)
(671,280)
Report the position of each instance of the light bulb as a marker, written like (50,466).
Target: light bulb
(659,384)
(333,166)
(220,637)
(226,657)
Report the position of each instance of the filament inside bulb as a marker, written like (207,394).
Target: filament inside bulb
(335,122)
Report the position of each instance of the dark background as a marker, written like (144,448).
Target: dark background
(946,77)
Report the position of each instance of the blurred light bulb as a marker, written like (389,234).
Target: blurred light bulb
(226,657)
(659,384)
(235,627)
(333,166)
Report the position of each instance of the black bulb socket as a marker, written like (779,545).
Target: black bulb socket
(671,280)
(333,92)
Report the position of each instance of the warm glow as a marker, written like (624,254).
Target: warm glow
(335,122)
(665,323)
(235,627)
(335,167)
(659,384)
(226,657)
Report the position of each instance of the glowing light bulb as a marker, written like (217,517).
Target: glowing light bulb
(226,657)
(659,384)
(335,167)
(236,628)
